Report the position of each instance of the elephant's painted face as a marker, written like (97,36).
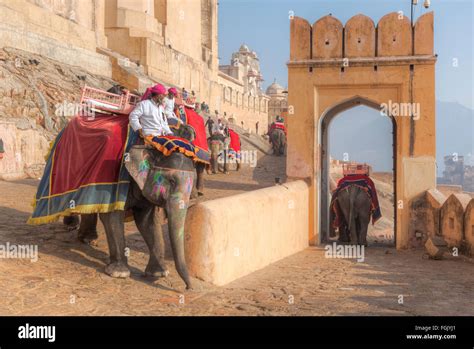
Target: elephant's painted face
(143,169)
(163,184)
(160,185)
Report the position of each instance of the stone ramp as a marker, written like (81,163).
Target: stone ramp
(249,140)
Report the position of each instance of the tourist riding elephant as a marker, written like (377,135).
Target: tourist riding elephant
(156,180)
(278,140)
(355,205)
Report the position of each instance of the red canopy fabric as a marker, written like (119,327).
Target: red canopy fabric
(197,123)
(234,141)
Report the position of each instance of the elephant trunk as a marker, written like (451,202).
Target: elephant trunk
(177,209)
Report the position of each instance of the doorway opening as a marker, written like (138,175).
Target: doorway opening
(356,132)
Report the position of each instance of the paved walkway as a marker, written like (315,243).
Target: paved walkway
(68,277)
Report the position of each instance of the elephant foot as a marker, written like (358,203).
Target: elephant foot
(156,271)
(157,274)
(189,286)
(200,193)
(89,238)
(117,270)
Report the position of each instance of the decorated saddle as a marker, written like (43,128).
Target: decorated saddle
(278,126)
(362,181)
(169,144)
(188,116)
(84,170)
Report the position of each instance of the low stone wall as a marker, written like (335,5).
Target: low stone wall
(234,236)
(432,214)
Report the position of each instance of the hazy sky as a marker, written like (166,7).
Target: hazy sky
(264,26)
(352,138)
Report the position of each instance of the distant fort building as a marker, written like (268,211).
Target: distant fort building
(278,105)
(241,82)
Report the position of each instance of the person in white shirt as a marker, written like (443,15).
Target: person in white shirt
(148,117)
(218,128)
(169,102)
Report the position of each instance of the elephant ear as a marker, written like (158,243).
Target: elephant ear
(138,164)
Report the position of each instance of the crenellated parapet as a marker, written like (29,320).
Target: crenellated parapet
(393,36)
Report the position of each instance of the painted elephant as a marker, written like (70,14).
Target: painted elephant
(355,205)
(278,140)
(156,180)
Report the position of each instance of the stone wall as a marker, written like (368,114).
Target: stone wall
(32,91)
(63,34)
(231,237)
(433,214)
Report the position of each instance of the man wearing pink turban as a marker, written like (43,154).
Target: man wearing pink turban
(169,103)
(148,116)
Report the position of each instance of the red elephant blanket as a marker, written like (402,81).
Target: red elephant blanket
(367,185)
(84,171)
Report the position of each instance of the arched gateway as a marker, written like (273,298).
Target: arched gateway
(390,67)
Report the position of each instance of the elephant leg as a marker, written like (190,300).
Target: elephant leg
(88,229)
(177,209)
(363,205)
(71,222)
(346,203)
(226,163)
(362,227)
(214,158)
(200,178)
(150,228)
(114,228)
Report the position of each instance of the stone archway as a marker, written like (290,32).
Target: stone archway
(391,64)
(323,144)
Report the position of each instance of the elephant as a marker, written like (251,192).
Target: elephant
(218,145)
(355,205)
(156,181)
(278,140)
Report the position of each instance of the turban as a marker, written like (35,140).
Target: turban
(158,88)
(173,91)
